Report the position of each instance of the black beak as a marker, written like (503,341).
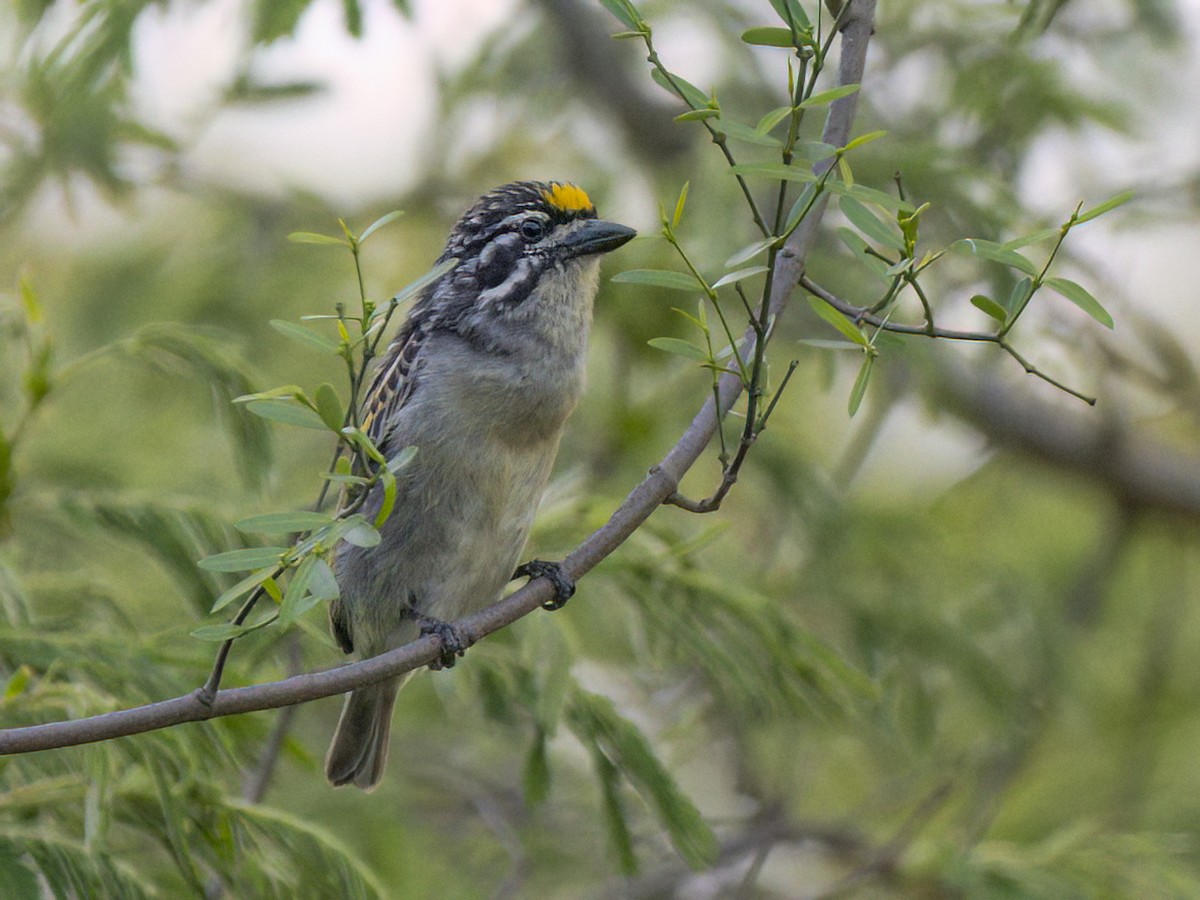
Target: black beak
(597,236)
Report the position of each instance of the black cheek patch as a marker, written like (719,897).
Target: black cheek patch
(497,259)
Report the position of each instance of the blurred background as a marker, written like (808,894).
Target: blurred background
(945,647)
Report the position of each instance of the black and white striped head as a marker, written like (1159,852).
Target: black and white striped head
(518,234)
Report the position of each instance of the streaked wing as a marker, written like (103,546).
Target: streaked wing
(392,385)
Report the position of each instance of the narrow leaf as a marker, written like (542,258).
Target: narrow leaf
(991,307)
(997,253)
(293,605)
(749,252)
(747,135)
(870,225)
(309,237)
(860,384)
(1035,238)
(864,139)
(245,586)
(323,584)
(242,560)
(1081,297)
(288,413)
(305,335)
(679,204)
(402,460)
(792,13)
(663,278)
(682,88)
(777,171)
(679,348)
(1106,206)
(820,99)
(698,115)
(624,12)
(388,479)
(425,280)
(283,523)
(386,219)
(228,631)
(768,36)
(362,534)
(837,320)
(771,119)
(329,407)
(739,275)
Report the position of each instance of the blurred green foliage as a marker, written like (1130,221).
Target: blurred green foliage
(863,676)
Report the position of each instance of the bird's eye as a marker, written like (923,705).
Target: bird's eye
(532,229)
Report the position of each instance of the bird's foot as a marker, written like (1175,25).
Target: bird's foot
(454,644)
(564,585)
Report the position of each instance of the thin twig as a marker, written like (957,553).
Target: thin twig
(862,314)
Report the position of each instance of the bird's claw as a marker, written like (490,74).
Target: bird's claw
(564,585)
(454,644)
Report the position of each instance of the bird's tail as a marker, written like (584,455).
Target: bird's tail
(360,744)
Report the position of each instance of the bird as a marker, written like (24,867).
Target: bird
(480,378)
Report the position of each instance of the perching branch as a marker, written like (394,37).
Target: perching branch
(661,483)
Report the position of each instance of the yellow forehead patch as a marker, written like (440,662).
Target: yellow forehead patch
(567,197)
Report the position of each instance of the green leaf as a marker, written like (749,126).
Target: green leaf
(749,252)
(830,345)
(777,171)
(1081,297)
(1018,297)
(698,115)
(1110,204)
(860,248)
(824,97)
(363,441)
(739,275)
(386,219)
(864,194)
(625,12)
(228,631)
(287,413)
(305,335)
(771,119)
(768,36)
(863,139)
(323,584)
(242,560)
(792,13)
(801,208)
(747,135)
(663,278)
(245,586)
(860,384)
(402,460)
(869,224)
(991,307)
(329,407)
(679,348)
(688,92)
(837,320)
(296,599)
(679,204)
(388,479)
(283,523)
(309,237)
(425,280)
(1035,238)
(362,534)
(997,253)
